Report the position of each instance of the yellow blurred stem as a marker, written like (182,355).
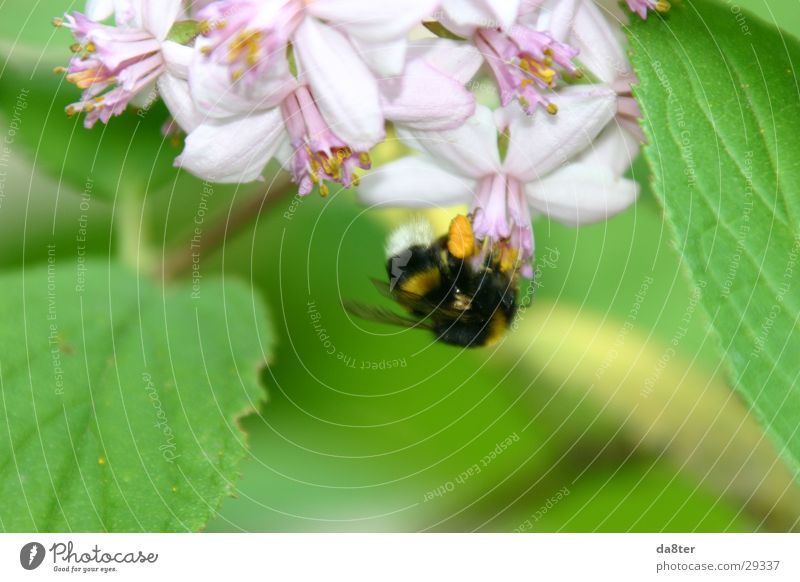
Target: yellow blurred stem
(130,229)
(687,415)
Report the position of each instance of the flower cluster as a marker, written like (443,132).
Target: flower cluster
(313,84)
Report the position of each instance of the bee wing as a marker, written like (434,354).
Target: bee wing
(420,303)
(382,315)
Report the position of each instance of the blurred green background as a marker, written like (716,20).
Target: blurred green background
(583,419)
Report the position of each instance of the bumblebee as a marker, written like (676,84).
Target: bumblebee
(465,293)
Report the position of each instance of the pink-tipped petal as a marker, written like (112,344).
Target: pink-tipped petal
(581,194)
(463,15)
(425,99)
(600,44)
(385,58)
(469,150)
(99,10)
(218,96)
(414,182)
(177,58)
(158,16)
(235,150)
(459,60)
(175,93)
(343,86)
(376,20)
(615,148)
(541,143)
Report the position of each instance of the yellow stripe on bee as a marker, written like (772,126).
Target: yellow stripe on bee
(497,328)
(423,282)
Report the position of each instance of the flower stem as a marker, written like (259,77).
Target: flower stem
(237,218)
(130,223)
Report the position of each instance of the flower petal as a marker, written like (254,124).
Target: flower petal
(581,194)
(343,86)
(158,16)
(459,60)
(372,20)
(425,99)
(557,17)
(504,10)
(469,150)
(235,150)
(386,58)
(471,14)
(99,10)
(175,93)
(177,57)
(540,143)
(601,45)
(414,182)
(217,96)
(615,148)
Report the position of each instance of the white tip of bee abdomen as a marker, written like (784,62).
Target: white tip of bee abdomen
(417,232)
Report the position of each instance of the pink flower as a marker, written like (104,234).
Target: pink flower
(524,57)
(602,44)
(115,64)
(235,128)
(319,154)
(551,167)
(641,7)
(341,50)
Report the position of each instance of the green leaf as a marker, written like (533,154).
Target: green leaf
(720,103)
(440,30)
(120,399)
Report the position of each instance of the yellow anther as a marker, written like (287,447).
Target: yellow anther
(552,108)
(356,180)
(70,110)
(364,158)
(75,47)
(59,70)
(324,190)
(90,47)
(204,27)
(87,78)
(58,22)
(662,6)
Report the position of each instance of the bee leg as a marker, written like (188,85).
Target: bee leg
(460,238)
